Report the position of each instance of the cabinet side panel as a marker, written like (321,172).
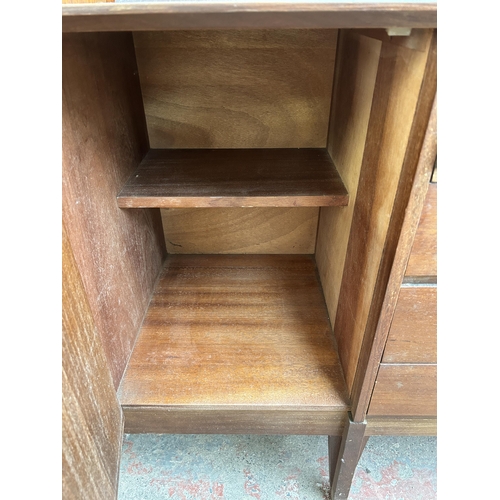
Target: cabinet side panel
(397,88)
(237,89)
(356,72)
(118,252)
(91,416)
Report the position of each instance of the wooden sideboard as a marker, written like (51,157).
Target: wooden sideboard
(247,226)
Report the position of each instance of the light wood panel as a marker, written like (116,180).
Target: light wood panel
(234,178)
(397,87)
(407,390)
(240,230)
(119,253)
(230,15)
(355,76)
(159,420)
(404,426)
(237,89)
(242,332)
(417,166)
(413,334)
(423,256)
(91,415)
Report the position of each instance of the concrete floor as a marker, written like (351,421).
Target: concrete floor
(186,467)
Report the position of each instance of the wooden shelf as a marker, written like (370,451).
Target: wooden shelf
(240,339)
(173,178)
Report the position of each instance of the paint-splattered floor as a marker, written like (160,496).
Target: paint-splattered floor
(186,467)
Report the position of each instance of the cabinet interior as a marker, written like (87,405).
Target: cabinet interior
(231,203)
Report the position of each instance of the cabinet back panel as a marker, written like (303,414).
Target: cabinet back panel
(240,230)
(237,89)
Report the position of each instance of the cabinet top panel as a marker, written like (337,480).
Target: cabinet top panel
(204,14)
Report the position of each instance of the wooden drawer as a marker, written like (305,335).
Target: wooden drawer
(405,390)
(423,257)
(413,334)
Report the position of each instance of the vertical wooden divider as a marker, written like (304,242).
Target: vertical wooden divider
(400,68)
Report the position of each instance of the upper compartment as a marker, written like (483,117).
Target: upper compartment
(260,98)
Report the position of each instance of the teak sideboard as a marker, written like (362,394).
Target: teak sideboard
(249,226)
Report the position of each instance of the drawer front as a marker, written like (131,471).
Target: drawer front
(405,390)
(413,334)
(423,257)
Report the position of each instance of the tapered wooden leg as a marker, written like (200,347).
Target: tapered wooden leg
(351,446)
(334,443)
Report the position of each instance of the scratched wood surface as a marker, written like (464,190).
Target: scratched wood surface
(239,332)
(406,390)
(119,253)
(234,178)
(91,415)
(413,334)
(237,89)
(240,230)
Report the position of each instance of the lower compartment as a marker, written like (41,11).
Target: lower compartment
(235,343)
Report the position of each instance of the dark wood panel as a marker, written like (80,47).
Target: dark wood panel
(119,253)
(91,415)
(412,186)
(351,447)
(201,15)
(236,89)
(241,332)
(405,390)
(240,230)
(413,334)
(179,421)
(234,178)
(423,256)
(401,426)
(398,83)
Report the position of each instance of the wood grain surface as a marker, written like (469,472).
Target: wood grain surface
(423,256)
(404,426)
(91,415)
(178,178)
(406,390)
(397,87)
(157,420)
(414,180)
(355,75)
(236,332)
(245,15)
(237,89)
(413,334)
(119,253)
(240,230)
